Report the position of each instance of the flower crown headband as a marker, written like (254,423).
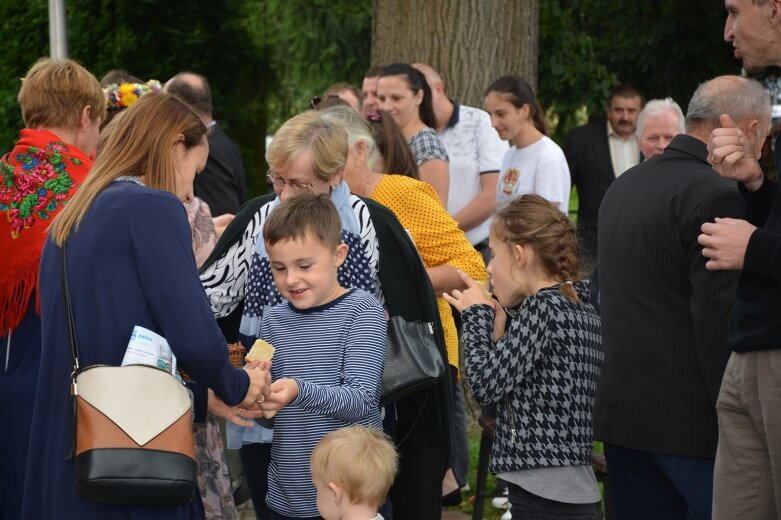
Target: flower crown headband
(124,95)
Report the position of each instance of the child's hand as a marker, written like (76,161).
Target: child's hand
(500,321)
(474,294)
(283,391)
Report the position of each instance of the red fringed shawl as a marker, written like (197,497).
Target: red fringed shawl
(38,177)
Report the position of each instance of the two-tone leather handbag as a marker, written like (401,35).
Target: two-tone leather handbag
(132,439)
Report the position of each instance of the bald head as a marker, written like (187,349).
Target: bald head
(432,77)
(194,90)
(743,99)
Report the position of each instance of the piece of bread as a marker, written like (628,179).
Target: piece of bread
(260,351)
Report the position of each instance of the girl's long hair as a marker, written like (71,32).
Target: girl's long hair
(140,145)
(396,155)
(533,220)
(517,91)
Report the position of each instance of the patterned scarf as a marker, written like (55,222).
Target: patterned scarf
(38,177)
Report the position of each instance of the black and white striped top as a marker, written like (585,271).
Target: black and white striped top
(226,279)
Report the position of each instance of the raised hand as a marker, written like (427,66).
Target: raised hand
(734,155)
(474,294)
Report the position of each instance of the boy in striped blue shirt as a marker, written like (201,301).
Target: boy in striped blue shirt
(330,348)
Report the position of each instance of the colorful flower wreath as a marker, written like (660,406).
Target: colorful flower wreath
(124,95)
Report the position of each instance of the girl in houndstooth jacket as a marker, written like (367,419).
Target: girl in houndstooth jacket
(535,350)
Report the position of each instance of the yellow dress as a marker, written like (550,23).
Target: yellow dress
(436,235)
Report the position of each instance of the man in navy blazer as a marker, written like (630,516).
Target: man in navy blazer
(599,152)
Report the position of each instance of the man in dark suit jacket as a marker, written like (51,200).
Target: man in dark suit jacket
(599,152)
(222,183)
(664,327)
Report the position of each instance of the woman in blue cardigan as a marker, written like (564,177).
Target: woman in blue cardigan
(130,262)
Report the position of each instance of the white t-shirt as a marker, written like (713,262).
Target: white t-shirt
(539,168)
(473,147)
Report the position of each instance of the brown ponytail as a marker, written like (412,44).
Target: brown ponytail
(517,91)
(531,219)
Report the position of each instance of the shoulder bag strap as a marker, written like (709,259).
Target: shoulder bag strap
(69,311)
(74,352)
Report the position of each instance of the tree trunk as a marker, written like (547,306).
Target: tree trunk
(469,42)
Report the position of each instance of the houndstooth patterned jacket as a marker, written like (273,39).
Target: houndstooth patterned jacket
(543,376)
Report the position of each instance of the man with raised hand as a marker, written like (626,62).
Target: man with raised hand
(747,480)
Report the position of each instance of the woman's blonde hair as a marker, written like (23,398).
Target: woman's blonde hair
(141,145)
(534,221)
(54,92)
(326,140)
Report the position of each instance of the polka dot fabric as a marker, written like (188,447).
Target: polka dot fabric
(355,271)
(436,235)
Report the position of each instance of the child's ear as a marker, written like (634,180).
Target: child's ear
(341,254)
(520,255)
(337,491)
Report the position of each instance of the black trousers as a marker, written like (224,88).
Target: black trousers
(527,506)
(255,459)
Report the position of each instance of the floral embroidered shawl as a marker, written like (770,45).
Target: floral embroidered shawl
(36,179)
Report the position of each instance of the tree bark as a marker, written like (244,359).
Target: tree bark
(469,42)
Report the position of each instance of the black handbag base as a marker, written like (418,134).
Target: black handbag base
(135,476)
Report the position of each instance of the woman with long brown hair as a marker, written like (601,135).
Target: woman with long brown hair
(130,263)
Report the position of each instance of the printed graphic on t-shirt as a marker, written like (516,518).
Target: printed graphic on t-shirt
(509,179)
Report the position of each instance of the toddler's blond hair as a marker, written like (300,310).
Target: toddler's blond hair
(362,461)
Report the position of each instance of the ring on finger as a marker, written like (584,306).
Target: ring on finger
(262,398)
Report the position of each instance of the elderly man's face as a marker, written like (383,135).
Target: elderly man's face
(622,113)
(754,32)
(658,130)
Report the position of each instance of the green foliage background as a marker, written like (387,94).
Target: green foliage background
(266,58)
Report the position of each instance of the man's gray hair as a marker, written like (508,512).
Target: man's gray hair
(658,106)
(740,98)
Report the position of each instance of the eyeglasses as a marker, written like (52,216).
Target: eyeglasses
(280,183)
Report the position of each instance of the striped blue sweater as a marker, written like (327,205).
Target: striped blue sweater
(336,353)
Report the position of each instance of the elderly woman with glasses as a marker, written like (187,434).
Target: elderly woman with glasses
(310,153)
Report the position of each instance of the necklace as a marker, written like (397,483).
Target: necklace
(130,178)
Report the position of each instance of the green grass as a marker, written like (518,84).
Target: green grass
(489,512)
